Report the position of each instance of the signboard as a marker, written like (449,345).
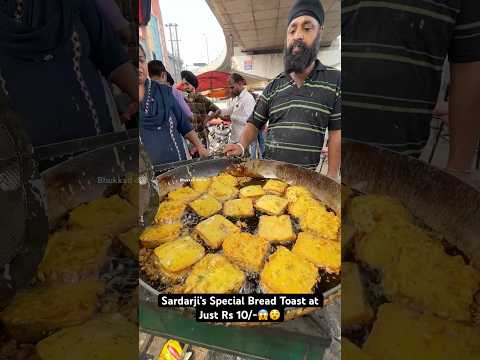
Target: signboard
(156,48)
(248,64)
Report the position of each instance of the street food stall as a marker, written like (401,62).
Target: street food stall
(306,334)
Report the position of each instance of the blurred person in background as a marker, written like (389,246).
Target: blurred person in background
(301,103)
(170,80)
(163,124)
(200,105)
(118,101)
(110,10)
(392,61)
(241,109)
(158,72)
(51,53)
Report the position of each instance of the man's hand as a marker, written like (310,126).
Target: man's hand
(213,115)
(131,110)
(334,153)
(441,111)
(203,152)
(249,134)
(233,150)
(126,78)
(464,119)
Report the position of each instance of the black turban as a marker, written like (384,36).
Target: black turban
(311,8)
(170,80)
(190,77)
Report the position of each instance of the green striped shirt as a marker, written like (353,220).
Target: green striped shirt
(299,116)
(393,52)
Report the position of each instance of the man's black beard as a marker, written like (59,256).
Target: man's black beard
(298,62)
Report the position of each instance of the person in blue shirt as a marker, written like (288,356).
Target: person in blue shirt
(52,53)
(163,124)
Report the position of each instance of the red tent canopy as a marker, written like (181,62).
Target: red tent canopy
(213,80)
(212,84)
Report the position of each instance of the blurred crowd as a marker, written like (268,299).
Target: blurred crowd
(66,67)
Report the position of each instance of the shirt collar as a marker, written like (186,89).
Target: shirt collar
(318,67)
(243,93)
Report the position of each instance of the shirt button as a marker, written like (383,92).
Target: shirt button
(159,128)
(48,57)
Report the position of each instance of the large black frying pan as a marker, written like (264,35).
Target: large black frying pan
(443,202)
(325,189)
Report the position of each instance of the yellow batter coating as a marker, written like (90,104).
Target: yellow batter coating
(271,204)
(184,194)
(275,187)
(206,206)
(170,277)
(156,235)
(276,229)
(381,246)
(400,333)
(293,193)
(215,229)
(170,212)
(416,269)
(226,179)
(238,208)
(216,275)
(303,205)
(246,250)
(107,337)
(201,184)
(35,312)
(321,252)
(74,254)
(432,280)
(110,216)
(355,307)
(321,222)
(366,210)
(178,255)
(252,191)
(221,191)
(288,273)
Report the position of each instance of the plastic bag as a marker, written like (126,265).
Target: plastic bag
(172,350)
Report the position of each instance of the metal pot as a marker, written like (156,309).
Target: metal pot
(325,189)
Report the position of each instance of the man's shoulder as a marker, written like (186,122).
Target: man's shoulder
(196,98)
(248,95)
(280,80)
(200,97)
(164,89)
(329,74)
(331,69)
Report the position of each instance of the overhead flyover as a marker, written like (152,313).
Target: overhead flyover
(259,27)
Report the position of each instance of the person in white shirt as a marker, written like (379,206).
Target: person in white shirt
(241,108)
